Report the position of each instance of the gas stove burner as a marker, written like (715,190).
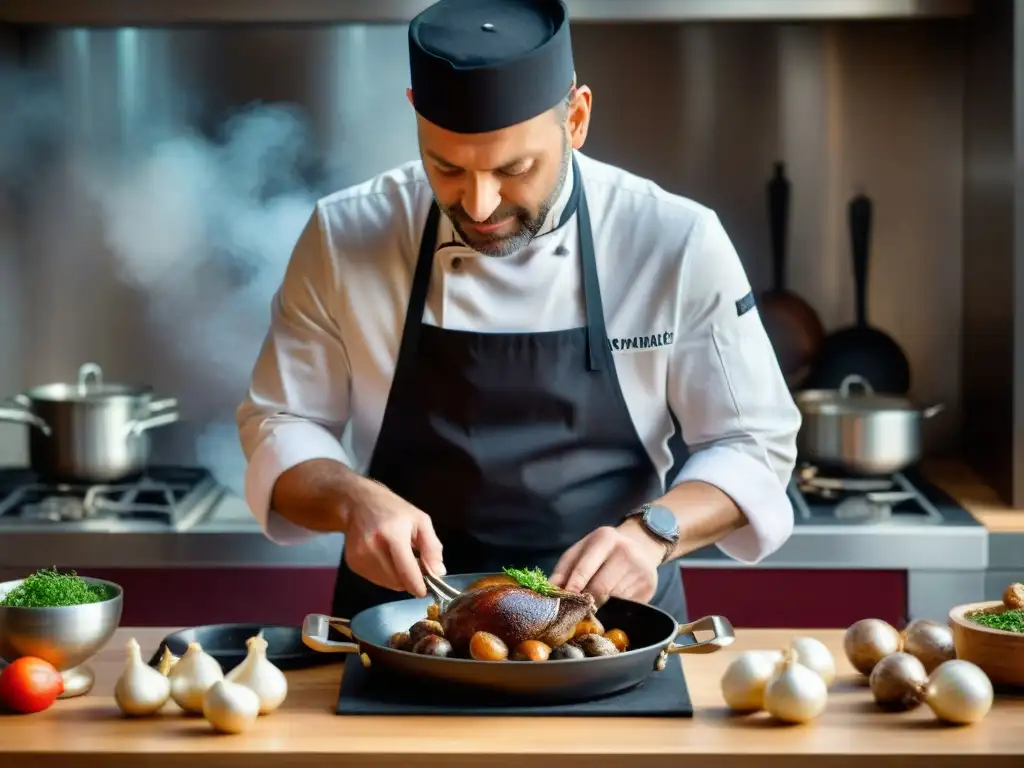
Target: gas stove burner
(876,507)
(890,499)
(810,482)
(56,509)
(167,497)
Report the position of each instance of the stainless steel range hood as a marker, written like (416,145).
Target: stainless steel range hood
(167,12)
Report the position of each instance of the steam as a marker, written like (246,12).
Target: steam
(200,226)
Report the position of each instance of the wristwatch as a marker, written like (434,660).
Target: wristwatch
(660,523)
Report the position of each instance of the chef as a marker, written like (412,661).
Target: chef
(507,353)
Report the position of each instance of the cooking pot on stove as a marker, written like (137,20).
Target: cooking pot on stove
(855,430)
(90,431)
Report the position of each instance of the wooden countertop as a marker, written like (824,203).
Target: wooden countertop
(975,495)
(88,731)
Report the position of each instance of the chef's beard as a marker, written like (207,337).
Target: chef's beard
(528,224)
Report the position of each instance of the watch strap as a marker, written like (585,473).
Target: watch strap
(669,541)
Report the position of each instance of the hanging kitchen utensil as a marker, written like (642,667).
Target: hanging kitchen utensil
(792,324)
(853,429)
(90,431)
(861,349)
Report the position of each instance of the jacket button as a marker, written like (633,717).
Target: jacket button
(457,263)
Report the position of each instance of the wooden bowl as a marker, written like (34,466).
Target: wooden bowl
(1000,654)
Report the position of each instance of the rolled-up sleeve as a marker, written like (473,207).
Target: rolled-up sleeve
(297,404)
(728,392)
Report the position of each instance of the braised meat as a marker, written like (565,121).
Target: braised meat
(514,614)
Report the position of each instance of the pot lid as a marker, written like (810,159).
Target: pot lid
(855,395)
(90,387)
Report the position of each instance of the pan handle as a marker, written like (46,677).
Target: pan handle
(316,629)
(724,635)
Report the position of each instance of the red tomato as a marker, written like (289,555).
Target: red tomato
(29,685)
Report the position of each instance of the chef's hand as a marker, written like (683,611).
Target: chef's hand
(382,529)
(612,562)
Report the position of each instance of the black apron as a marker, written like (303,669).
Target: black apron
(517,445)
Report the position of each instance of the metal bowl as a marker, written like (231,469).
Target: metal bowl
(66,636)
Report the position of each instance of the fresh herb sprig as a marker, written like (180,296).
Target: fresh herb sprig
(50,589)
(1008,621)
(531,579)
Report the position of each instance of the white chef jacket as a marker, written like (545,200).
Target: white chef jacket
(676,304)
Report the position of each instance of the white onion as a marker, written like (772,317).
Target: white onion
(959,692)
(815,655)
(796,694)
(745,679)
(230,707)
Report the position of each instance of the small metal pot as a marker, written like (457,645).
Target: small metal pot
(90,431)
(859,431)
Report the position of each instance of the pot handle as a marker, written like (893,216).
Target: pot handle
(854,378)
(316,629)
(723,636)
(137,427)
(88,371)
(24,416)
(157,406)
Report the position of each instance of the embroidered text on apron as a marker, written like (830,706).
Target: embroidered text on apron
(516,444)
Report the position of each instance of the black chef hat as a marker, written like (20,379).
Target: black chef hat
(483,65)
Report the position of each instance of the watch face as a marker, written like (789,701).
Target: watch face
(661,520)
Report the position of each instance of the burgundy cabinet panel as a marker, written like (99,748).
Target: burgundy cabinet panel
(763,598)
(186,597)
(774,598)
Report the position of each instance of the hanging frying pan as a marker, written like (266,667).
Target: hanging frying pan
(792,324)
(860,349)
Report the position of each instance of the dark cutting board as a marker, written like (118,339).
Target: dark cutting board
(372,692)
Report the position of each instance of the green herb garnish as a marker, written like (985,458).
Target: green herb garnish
(49,589)
(535,579)
(1008,621)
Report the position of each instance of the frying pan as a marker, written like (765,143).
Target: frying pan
(861,350)
(792,324)
(652,632)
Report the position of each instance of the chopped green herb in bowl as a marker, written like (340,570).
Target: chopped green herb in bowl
(50,589)
(1007,621)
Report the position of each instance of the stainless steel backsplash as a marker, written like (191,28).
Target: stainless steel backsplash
(154,181)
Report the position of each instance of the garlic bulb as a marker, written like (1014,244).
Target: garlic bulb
(959,692)
(230,707)
(192,677)
(140,690)
(258,674)
(745,679)
(796,694)
(815,655)
(167,662)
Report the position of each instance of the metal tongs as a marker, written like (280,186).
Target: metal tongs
(443,593)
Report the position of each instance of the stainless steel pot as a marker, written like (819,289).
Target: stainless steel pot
(90,431)
(859,431)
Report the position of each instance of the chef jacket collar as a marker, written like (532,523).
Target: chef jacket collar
(449,236)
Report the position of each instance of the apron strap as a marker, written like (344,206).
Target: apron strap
(597,334)
(409,342)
